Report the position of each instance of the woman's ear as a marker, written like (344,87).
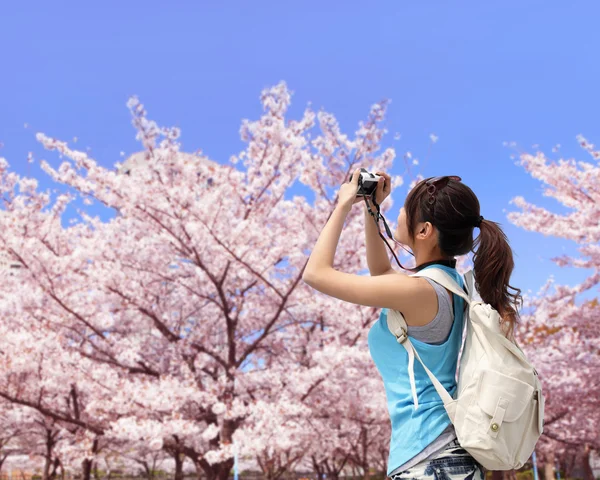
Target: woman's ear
(424,229)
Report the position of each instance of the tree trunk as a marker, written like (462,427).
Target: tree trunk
(86,467)
(333,473)
(50,442)
(569,462)
(147,469)
(224,469)
(318,469)
(218,471)
(46,472)
(55,466)
(153,466)
(587,468)
(199,470)
(549,466)
(509,475)
(88,463)
(179,458)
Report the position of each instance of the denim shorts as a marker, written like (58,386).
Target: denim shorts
(452,463)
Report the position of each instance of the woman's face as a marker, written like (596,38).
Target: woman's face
(401,233)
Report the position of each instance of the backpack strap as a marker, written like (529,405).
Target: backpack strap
(399,328)
(444,279)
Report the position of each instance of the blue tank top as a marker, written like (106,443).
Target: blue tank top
(413,430)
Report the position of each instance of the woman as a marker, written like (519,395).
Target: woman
(437,223)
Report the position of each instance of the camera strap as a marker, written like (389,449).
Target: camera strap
(376,217)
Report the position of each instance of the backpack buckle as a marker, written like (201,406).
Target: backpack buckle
(403,335)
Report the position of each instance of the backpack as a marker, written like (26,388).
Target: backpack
(498,412)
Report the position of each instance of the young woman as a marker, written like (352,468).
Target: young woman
(437,223)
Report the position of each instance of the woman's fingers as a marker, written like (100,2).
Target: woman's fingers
(387,181)
(384,175)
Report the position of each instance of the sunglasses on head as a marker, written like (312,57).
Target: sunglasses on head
(436,184)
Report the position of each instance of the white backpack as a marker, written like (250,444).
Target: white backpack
(498,412)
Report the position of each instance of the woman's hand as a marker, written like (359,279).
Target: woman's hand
(384,187)
(347,193)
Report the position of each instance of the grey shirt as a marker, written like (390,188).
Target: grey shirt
(435,332)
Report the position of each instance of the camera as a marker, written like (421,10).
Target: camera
(367,183)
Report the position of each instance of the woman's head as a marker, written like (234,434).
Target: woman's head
(438,218)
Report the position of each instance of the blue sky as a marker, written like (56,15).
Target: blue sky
(474,73)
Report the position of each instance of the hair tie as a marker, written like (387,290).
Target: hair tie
(478,221)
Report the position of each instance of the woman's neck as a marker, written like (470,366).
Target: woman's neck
(447,262)
(428,258)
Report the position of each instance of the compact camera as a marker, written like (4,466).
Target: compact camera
(367,183)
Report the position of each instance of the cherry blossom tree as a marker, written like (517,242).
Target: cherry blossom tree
(167,324)
(561,332)
(11,427)
(43,436)
(40,370)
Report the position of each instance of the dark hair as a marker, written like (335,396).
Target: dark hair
(454,212)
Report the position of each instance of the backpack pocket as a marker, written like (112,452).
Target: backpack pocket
(499,429)
(502,398)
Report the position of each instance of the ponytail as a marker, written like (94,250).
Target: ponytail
(493,265)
